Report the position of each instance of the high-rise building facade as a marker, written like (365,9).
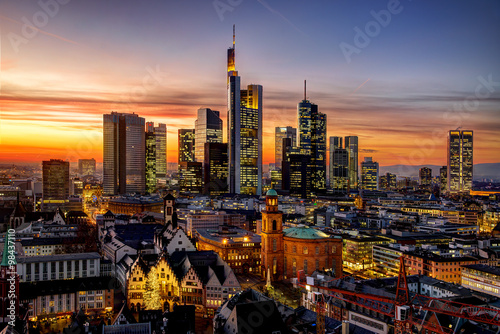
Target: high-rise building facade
(281,132)
(443,179)
(312,141)
(387,181)
(55,176)
(86,167)
(351,145)
(460,160)
(425,176)
(339,166)
(369,174)
(244,132)
(124,154)
(150,161)
(296,171)
(160,133)
(207,129)
(186,145)
(215,169)
(339,179)
(190,177)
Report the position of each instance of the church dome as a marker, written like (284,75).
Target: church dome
(271,192)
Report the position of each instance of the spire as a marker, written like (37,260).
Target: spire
(234,36)
(305,90)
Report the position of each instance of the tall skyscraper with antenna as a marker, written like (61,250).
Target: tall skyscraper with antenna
(312,140)
(244,131)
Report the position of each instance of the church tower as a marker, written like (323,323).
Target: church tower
(272,237)
(169,213)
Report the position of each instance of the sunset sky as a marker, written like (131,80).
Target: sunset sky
(430,67)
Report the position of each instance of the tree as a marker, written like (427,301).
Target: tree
(152,299)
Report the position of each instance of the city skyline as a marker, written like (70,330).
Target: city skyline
(400,94)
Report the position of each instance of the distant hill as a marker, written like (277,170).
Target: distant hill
(481,171)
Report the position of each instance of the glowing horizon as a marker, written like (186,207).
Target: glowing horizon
(400,94)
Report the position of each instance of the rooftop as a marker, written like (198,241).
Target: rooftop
(304,232)
(484,268)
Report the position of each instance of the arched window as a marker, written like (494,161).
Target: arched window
(275,245)
(317,264)
(305,266)
(286,248)
(274,225)
(294,268)
(284,273)
(294,249)
(305,250)
(317,250)
(275,265)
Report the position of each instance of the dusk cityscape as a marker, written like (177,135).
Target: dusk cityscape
(234,166)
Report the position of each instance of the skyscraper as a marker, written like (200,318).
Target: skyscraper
(443,179)
(150,161)
(460,160)
(190,177)
(215,169)
(425,176)
(55,180)
(186,145)
(387,181)
(207,129)
(244,126)
(86,167)
(339,166)
(281,132)
(296,170)
(312,141)
(160,133)
(369,174)
(124,154)
(351,145)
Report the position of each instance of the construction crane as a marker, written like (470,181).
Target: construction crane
(404,308)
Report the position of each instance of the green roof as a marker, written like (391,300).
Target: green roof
(304,232)
(271,192)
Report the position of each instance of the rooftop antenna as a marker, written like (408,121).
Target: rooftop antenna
(234,36)
(305,90)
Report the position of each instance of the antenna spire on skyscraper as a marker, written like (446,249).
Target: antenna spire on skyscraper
(234,35)
(305,90)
